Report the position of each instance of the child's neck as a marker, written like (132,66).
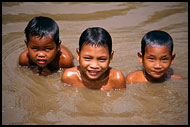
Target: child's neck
(149,78)
(95,84)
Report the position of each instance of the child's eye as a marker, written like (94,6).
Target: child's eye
(102,59)
(34,48)
(151,58)
(87,58)
(164,59)
(48,49)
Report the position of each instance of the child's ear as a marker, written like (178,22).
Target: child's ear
(26,42)
(77,54)
(140,56)
(173,56)
(111,56)
(59,46)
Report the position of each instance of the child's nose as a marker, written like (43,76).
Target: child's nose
(41,54)
(94,65)
(157,65)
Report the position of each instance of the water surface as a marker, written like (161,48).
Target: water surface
(31,99)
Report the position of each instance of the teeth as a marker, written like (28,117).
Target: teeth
(93,71)
(41,61)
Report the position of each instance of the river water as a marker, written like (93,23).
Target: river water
(31,99)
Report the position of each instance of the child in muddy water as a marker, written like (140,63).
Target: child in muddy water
(44,53)
(156,56)
(94,56)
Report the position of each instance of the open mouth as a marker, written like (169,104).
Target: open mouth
(158,73)
(41,61)
(93,73)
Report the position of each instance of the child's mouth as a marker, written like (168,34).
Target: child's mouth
(158,72)
(41,61)
(93,73)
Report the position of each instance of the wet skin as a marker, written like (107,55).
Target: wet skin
(156,62)
(94,71)
(94,62)
(43,56)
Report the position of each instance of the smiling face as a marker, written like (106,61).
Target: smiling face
(41,51)
(94,61)
(156,61)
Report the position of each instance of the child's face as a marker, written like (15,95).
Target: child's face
(41,51)
(94,61)
(157,60)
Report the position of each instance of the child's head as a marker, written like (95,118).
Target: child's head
(42,40)
(42,27)
(94,53)
(156,38)
(96,36)
(156,54)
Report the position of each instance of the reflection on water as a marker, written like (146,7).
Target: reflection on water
(32,99)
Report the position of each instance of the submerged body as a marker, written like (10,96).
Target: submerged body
(140,77)
(112,79)
(94,56)
(44,53)
(47,60)
(156,56)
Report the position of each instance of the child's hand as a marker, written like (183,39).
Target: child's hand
(45,71)
(36,70)
(42,71)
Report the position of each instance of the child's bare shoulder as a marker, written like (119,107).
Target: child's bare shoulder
(117,78)
(176,76)
(23,58)
(116,74)
(70,75)
(69,72)
(134,77)
(66,58)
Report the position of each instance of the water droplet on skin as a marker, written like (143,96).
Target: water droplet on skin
(169,92)
(108,93)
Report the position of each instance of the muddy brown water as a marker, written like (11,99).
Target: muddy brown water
(31,99)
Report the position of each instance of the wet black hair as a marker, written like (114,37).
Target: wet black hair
(42,26)
(96,36)
(156,38)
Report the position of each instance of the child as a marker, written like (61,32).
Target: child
(94,55)
(156,56)
(44,53)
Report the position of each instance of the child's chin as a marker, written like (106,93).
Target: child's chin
(157,77)
(42,66)
(92,77)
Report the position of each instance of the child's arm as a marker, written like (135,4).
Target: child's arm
(66,58)
(135,77)
(23,58)
(129,78)
(176,76)
(65,77)
(69,76)
(118,79)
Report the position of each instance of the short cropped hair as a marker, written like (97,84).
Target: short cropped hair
(156,38)
(42,26)
(96,36)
